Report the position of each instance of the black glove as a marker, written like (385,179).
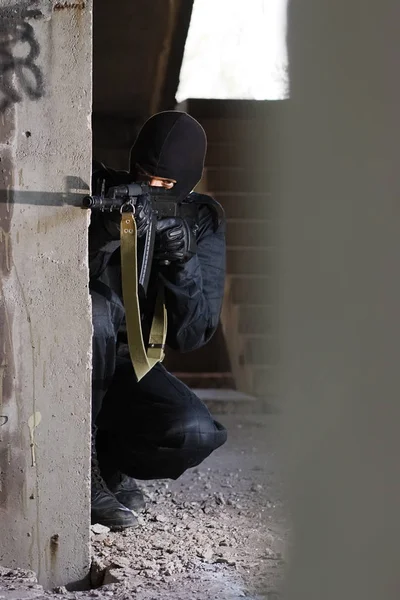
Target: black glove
(143,214)
(175,240)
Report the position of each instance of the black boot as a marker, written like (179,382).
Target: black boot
(126,491)
(106,509)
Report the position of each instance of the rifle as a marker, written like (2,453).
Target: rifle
(123,198)
(136,263)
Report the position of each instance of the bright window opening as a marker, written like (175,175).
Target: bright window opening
(236,49)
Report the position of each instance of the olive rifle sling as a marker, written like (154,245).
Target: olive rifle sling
(143,360)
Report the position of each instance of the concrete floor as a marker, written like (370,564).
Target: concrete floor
(218,532)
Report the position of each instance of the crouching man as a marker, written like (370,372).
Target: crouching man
(157,427)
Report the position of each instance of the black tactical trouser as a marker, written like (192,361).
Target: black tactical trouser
(155,428)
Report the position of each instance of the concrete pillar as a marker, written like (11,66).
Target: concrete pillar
(45,144)
(340,304)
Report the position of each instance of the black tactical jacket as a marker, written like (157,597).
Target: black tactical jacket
(193,291)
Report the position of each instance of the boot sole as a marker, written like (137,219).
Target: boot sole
(116,526)
(134,509)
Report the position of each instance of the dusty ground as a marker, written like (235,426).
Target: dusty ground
(218,532)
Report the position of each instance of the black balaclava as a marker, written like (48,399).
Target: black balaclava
(171,144)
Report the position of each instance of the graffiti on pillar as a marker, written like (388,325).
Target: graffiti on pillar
(20,75)
(3,421)
(69,5)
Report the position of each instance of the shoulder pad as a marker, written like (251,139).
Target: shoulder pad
(215,207)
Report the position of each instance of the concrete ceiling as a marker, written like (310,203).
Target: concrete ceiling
(138,50)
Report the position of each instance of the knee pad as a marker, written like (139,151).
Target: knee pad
(196,435)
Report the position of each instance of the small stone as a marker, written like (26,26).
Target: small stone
(169,569)
(100,529)
(219,498)
(161,518)
(159,546)
(206,553)
(108,542)
(121,561)
(207,510)
(226,561)
(61,590)
(256,487)
(99,538)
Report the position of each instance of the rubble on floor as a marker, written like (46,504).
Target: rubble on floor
(220,531)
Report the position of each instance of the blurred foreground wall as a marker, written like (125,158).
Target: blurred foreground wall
(340,302)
